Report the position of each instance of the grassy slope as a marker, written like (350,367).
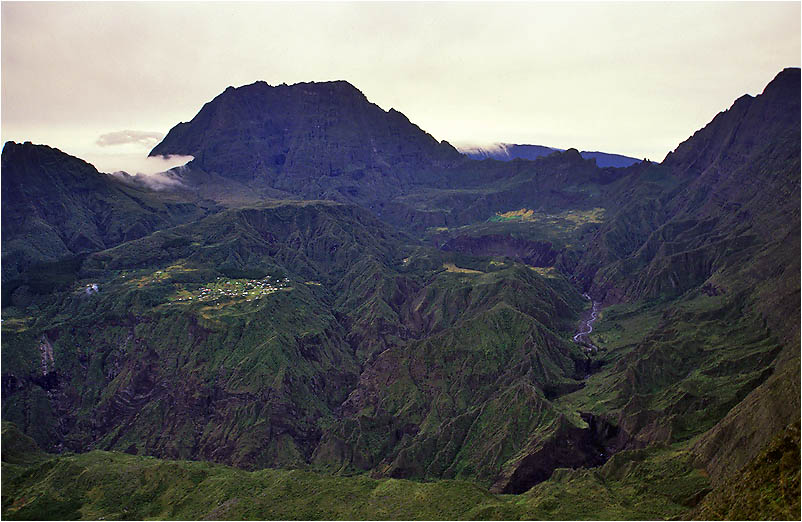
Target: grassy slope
(767,487)
(133,363)
(124,487)
(671,370)
(467,395)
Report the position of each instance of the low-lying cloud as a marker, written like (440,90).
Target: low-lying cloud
(142,138)
(124,154)
(154,181)
(154,172)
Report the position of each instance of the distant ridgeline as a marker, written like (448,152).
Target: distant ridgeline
(329,291)
(509,152)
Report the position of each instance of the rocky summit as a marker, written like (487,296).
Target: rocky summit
(332,315)
(317,139)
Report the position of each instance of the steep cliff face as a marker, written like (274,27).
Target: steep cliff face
(327,141)
(469,388)
(744,129)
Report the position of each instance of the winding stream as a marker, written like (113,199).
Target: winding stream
(581,337)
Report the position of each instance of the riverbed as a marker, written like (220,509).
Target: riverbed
(586,326)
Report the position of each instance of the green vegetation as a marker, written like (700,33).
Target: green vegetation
(571,229)
(658,483)
(235,337)
(451,267)
(679,365)
(767,488)
(348,366)
(564,219)
(634,485)
(57,207)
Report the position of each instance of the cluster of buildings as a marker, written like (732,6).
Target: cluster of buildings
(250,289)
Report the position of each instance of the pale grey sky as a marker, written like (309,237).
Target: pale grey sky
(630,78)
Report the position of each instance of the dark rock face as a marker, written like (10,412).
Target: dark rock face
(728,229)
(318,139)
(745,128)
(569,447)
(327,141)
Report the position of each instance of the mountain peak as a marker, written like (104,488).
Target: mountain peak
(330,87)
(288,135)
(750,123)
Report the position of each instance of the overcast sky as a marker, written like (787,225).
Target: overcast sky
(104,81)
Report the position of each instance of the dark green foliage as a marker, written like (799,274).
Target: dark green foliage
(635,485)
(245,273)
(18,448)
(144,368)
(45,278)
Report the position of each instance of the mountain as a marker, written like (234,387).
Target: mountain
(251,337)
(327,141)
(507,151)
(724,242)
(510,151)
(734,204)
(319,140)
(55,205)
(414,342)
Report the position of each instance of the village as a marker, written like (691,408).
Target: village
(223,288)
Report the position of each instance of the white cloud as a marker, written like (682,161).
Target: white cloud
(154,172)
(132,163)
(154,181)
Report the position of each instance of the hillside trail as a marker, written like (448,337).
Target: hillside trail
(586,326)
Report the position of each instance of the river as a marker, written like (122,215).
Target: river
(586,327)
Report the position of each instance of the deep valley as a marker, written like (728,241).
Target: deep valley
(332,315)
